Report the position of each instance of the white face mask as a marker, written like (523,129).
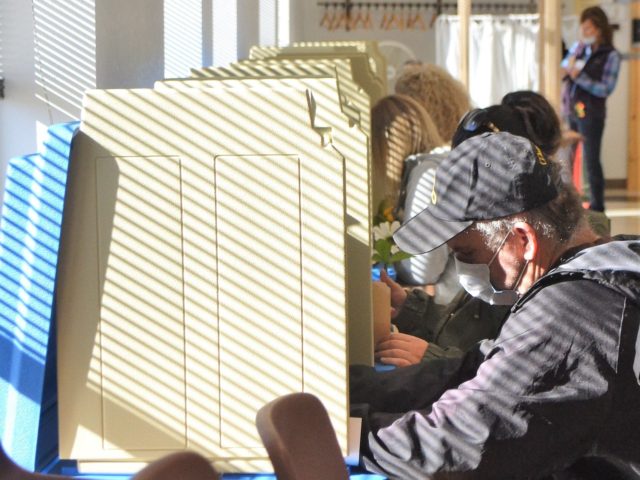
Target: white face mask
(590,40)
(475,279)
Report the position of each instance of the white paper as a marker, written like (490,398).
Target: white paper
(353,441)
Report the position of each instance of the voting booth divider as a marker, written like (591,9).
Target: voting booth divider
(370,47)
(375,58)
(359,88)
(214,255)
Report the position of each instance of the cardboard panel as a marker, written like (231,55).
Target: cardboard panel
(378,61)
(203,158)
(354,97)
(372,82)
(353,145)
(30,226)
(241,208)
(141,332)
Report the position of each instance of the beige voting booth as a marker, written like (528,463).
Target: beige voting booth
(215,255)
(354,90)
(351,142)
(368,68)
(370,47)
(364,72)
(327,49)
(357,87)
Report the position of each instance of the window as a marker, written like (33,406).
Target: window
(65,59)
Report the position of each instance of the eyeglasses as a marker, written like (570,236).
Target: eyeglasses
(476,119)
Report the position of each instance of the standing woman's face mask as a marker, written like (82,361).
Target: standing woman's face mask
(589,33)
(475,278)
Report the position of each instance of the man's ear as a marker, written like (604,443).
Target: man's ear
(527,238)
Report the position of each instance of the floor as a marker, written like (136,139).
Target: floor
(623,208)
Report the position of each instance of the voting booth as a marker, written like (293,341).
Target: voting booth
(215,254)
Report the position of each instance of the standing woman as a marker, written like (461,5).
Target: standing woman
(591,67)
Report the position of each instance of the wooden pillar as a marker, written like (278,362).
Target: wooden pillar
(550,50)
(540,59)
(633,167)
(464,14)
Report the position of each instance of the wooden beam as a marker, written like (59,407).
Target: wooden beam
(464,14)
(633,166)
(551,50)
(580,5)
(540,58)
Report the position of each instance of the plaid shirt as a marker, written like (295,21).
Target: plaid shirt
(603,86)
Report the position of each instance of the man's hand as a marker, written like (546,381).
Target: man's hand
(398,294)
(401,350)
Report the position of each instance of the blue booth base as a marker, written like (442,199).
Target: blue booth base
(66,467)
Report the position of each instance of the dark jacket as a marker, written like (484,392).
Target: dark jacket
(594,106)
(561,382)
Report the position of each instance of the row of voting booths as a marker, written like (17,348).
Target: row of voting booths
(215,254)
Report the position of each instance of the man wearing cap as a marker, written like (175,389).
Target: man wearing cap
(562,380)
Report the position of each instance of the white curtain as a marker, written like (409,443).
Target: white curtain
(503,52)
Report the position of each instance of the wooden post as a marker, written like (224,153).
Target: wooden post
(464,13)
(580,5)
(551,50)
(633,166)
(540,58)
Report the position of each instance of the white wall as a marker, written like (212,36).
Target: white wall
(56,51)
(132,43)
(20,111)
(615,142)
(83,44)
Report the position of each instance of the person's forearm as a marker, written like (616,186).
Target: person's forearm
(408,388)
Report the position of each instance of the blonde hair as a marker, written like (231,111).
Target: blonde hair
(443,97)
(400,127)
